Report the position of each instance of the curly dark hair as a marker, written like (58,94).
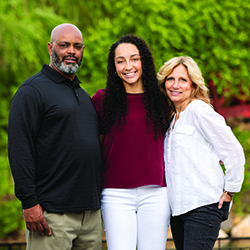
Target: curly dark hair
(115,106)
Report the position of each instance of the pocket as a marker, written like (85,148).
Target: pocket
(184,135)
(225,210)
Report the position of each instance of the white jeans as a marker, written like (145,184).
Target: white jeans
(138,216)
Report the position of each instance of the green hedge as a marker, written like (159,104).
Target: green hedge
(241,203)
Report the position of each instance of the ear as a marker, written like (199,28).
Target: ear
(50,46)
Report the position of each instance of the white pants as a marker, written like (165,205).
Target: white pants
(138,216)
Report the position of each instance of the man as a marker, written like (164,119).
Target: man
(54,151)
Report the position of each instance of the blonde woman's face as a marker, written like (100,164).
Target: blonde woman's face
(179,86)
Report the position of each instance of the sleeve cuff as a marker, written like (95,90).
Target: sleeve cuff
(30,202)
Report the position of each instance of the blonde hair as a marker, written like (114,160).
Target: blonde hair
(200,91)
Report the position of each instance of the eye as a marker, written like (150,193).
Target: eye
(135,58)
(119,62)
(63,45)
(183,80)
(78,47)
(170,78)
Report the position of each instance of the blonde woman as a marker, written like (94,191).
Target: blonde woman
(197,140)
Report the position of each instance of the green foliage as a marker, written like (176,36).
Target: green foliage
(10,208)
(242,200)
(213,32)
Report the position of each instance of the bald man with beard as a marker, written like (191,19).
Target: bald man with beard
(54,151)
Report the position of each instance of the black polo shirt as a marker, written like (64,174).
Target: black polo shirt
(54,148)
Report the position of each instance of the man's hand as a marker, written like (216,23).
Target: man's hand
(35,220)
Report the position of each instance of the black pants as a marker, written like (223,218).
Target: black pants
(198,229)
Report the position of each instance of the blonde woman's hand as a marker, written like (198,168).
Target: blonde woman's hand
(224,197)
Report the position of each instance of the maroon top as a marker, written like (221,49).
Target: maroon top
(131,156)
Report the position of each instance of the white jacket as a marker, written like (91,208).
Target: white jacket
(192,151)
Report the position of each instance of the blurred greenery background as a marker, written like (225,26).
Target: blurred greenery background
(216,33)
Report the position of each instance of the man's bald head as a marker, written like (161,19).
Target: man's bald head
(63,28)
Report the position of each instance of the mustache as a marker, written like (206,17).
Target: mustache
(65,57)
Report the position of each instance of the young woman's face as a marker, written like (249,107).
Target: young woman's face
(128,66)
(179,86)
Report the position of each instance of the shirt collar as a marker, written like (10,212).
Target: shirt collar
(56,77)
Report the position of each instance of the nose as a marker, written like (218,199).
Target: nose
(176,84)
(128,65)
(71,50)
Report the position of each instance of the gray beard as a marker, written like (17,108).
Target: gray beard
(66,69)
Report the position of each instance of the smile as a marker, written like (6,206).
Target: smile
(175,92)
(130,74)
(70,59)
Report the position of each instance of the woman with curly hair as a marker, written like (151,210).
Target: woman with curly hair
(134,116)
(197,141)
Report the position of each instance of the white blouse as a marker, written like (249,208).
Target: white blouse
(192,151)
